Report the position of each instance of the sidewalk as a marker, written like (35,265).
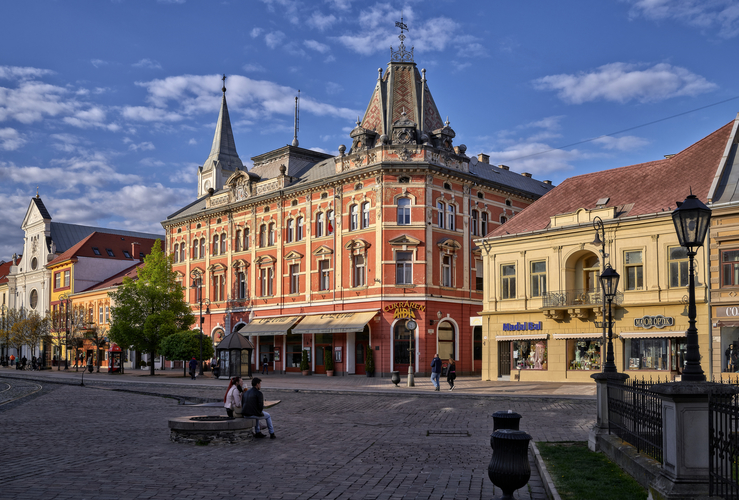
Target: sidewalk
(348,383)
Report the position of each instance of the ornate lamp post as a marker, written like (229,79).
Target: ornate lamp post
(600,241)
(691,219)
(6,348)
(197,283)
(411,326)
(609,285)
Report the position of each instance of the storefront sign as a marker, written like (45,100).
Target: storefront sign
(404,309)
(476,321)
(727,311)
(658,321)
(517,327)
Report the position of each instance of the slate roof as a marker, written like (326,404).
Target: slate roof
(41,207)
(104,241)
(117,279)
(640,189)
(66,236)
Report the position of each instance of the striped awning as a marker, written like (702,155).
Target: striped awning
(652,335)
(578,336)
(537,336)
(269,326)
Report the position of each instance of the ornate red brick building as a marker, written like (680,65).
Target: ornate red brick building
(333,253)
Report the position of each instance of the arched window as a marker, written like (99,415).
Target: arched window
(475,217)
(404,211)
(401,345)
(262,235)
(508,203)
(299,230)
(319,224)
(447,341)
(214,250)
(224,247)
(329,222)
(183,251)
(176,252)
(365,214)
(503,219)
(271,233)
(353,217)
(483,224)
(195,246)
(440,209)
(447,186)
(242,285)
(290,231)
(451,212)
(246,238)
(238,240)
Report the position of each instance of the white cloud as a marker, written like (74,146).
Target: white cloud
(333,88)
(287,7)
(274,39)
(147,63)
(712,16)
(253,68)
(149,114)
(143,146)
(622,82)
(256,32)
(192,142)
(317,46)
(523,157)
(321,21)
(65,142)
(626,143)
(31,101)
(98,62)
(151,162)
(22,73)
(91,117)
(340,4)
(11,139)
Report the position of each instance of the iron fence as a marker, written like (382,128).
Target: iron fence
(723,443)
(576,298)
(635,415)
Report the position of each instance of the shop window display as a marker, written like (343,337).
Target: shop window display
(584,354)
(647,354)
(294,351)
(730,349)
(529,354)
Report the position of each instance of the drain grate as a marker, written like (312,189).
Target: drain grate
(448,432)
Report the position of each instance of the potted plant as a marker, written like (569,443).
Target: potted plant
(369,363)
(304,363)
(328,362)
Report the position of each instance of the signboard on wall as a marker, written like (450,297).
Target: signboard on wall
(404,309)
(727,312)
(658,321)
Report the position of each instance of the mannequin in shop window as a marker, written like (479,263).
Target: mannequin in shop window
(731,358)
(539,355)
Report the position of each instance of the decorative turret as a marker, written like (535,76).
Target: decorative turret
(223,159)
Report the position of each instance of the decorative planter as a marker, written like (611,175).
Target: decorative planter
(329,373)
(504,420)
(370,374)
(509,468)
(306,372)
(395,378)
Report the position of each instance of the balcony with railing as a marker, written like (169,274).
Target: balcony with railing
(578,303)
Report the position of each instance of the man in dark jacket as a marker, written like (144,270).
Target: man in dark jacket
(193,366)
(435,371)
(253,406)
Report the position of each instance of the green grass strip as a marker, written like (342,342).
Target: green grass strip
(580,474)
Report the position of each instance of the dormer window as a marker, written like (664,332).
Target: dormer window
(404,180)
(508,203)
(96,250)
(110,252)
(447,186)
(480,195)
(126,254)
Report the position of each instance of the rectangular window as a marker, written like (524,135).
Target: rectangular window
(319,224)
(538,279)
(323,275)
(128,255)
(110,252)
(100,315)
(508,281)
(446,270)
(646,354)
(263,282)
(478,275)
(474,223)
(242,285)
(440,214)
(678,261)
(294,278)
(365,214)
(96,250)
(634,271)
(404,211)
(107,314)
(451,211)
(529,354)
(403,268)
(584,354)
(483,224)
(730,267)
(57,280)
(67,280)
(359,270)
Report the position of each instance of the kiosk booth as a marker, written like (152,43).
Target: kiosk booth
(115,359)
(235,354)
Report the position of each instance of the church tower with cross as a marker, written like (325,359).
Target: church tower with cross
(223,159)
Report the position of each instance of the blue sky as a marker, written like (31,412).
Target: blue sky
(110,106)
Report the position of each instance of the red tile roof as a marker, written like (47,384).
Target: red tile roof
(103,242)
(5,270)
(651,187)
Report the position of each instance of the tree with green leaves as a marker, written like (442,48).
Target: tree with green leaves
(148,309)
(186,344)
(30,330)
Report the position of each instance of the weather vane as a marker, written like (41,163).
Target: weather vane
(401,55)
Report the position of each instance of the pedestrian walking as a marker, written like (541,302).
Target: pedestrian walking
(232,399)
(217,368)
(435,371)
(24,361)
(265,366)
(193,365)
(451,373)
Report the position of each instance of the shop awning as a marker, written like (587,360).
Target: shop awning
(269,326)
(538,336)
(334,322)
(577,336)
(729,324)
(652,335)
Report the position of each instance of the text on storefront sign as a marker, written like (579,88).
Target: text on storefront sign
(510,327)
(404,309)
(658,321)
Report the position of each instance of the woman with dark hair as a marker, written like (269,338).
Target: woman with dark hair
(451,373)
(232,400)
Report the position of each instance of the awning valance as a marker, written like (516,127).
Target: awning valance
(334,322)
(727,323)
(269,326)
(577,336)
(652,335)
(538,336)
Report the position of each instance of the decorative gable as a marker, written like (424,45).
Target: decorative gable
(240,263)
(404,240)
(293,255)
(265,260)
(323,250)
(449,245)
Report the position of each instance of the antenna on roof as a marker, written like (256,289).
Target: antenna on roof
(297,119)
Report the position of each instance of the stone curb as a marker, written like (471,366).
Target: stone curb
(544,473)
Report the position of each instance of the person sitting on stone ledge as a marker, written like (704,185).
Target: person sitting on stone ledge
(253,406)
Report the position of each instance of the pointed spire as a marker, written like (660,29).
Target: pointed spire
(297,120)
(223,149)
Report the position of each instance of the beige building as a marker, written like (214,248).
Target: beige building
(542,315)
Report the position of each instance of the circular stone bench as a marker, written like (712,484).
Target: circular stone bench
(210,429)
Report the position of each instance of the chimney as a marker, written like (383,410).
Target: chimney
(548,183)
(526,174)
(483,158)
(504,167)
(136,250)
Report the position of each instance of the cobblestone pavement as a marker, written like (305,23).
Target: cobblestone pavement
(105,442)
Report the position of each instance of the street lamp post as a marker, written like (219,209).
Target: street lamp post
(609,284)
(600,241)
(691,219)
(6,348)
(197,283)
(411,326)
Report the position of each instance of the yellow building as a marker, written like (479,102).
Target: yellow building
(542,315)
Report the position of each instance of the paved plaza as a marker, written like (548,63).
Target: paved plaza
(109,439)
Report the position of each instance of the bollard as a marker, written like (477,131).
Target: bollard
(504,420)
(509,468)
(395,378)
